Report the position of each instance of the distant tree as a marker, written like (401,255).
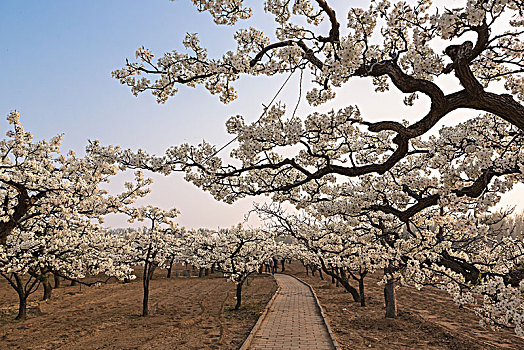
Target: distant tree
(151,246)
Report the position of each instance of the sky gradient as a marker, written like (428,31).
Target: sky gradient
(57,57)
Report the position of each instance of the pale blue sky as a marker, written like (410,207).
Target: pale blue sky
(57,57)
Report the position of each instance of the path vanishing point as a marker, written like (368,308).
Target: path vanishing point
(293,320)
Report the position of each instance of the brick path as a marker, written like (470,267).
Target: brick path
(293,321)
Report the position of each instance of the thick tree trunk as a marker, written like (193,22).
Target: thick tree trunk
(145,299)
(320,274)
(283,262)
(23,293)
(57,281)
(206,271)
(343,274)
(47,287)
(307,270)
(213,268)
(22,306)
(23,290)
(170,268)
(390,298)
(349,288)
(201,272)
(361,291)
(239,295)
(148,274)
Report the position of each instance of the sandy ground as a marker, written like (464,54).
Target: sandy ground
(186,313)
(427,319)
(196,313)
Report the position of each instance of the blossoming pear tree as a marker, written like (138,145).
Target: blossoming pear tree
(430,214)
(51,208)
(407,54)
(426,198)
(238,252)
(151,246)
(343,249)
(241,252)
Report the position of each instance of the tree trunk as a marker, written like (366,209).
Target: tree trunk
(23,290)
(213,268)
(343,273)
(148,274)
(23,293)
(145,299)
(283,262)
(361,291)
(47,287)
(22,306)
(389,294)
(239,295)
(73,283)
(345,283)
(57,281)
(206,271)
(201,272)
(307,270)
(320,274)
(170,268)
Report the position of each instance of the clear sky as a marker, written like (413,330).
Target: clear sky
(56,59)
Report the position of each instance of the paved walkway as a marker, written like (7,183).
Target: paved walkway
(293,321)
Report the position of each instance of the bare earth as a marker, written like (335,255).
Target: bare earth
(186,313)
(196,313)
(427,319)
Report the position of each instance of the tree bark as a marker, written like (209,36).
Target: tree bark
(23,293)
(239,295)
(22,305)
(349,288)
(57,281)
(390,298)
(148,274)
(201,272)
(170,268)
(145,299)
(283,262)
(47,287)
(361,291)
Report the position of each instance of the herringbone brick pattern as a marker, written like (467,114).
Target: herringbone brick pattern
(293,321)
